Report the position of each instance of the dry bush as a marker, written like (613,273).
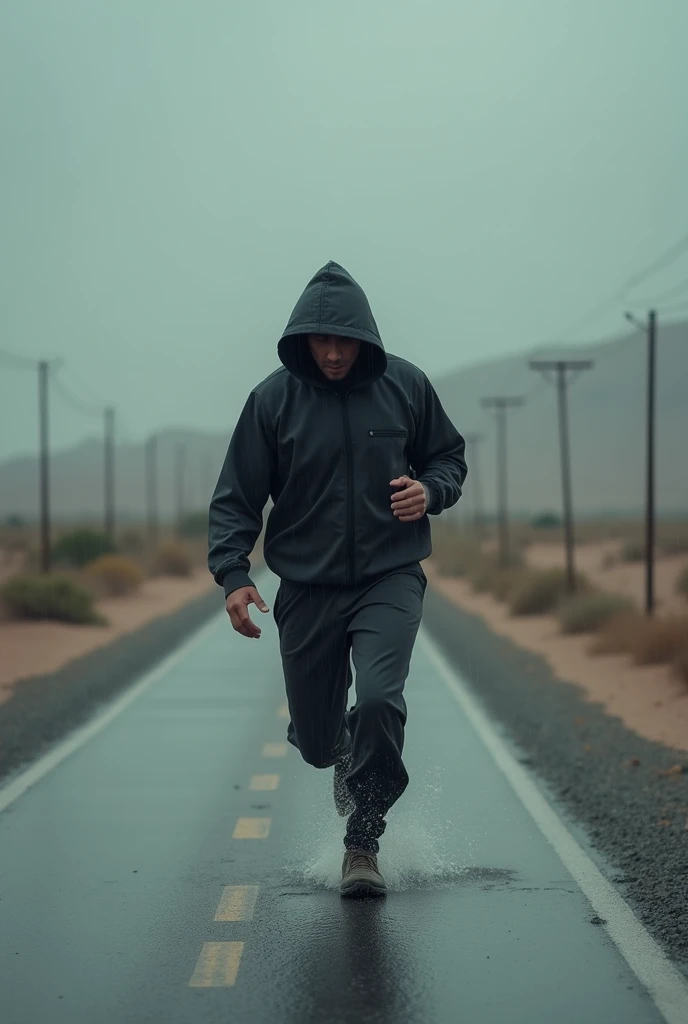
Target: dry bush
(658,641)
(132,541)
(49,597)
(115,575)
(173,559)
(589,612)
(681,663)
(633,551)
(649,641)
(613,638)
(682,583)
(540,591)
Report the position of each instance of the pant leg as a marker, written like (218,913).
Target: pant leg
(383,630)
(315,650)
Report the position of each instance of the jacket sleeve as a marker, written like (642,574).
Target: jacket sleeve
(242,490)
(438,452)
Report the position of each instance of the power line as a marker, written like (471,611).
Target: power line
(682,286)
(667,257)
(76,403)
(21,362)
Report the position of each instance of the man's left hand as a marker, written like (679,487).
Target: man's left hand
(410,503)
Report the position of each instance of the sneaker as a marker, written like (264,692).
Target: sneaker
(360,876)
(343,800)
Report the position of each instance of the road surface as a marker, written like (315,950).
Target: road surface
(176,862)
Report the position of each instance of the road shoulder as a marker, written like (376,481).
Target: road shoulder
(612,780)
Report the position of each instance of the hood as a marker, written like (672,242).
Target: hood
(332,303)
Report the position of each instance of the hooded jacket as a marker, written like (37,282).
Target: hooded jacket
(325,453)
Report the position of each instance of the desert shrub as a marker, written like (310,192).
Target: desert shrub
(173,559)
(80,547)
(608,560)
(546,521)
(589,612)
(682,583)
(49,597)
(195,524)
(132,541)
(539,591)
(115,575)
(681,663)
(614,637)
(633,551)
(657,641)
(674,545)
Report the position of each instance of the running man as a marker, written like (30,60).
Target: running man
(355,450)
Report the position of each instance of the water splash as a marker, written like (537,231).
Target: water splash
(420,848)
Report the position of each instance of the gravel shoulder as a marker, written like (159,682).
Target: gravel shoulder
(42,709)
(618,785)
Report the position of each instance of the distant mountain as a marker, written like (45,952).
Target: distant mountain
(607,411)
(77,478)
(607,427)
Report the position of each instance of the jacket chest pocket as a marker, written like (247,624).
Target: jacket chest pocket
(391,432)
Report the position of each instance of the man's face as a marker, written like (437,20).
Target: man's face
(335,356)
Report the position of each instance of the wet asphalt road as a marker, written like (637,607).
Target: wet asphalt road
(148,878)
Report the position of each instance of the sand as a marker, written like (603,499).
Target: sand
(36,648)
(648,699)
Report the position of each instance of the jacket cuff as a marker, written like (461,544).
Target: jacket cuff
(434,504)
(234,579)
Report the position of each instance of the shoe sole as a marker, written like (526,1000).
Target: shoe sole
(362,889)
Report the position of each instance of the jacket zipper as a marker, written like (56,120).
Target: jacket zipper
(350,496)
(387,433)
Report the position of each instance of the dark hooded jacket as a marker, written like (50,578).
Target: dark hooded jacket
(325,452)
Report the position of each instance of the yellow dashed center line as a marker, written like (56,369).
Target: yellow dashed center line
(218,965)
(237,903)
(251,828)
(263,782)
(274,749)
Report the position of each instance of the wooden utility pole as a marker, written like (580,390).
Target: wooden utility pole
(179,468)
(472,442)
(561,367)
(151,456)
(651,331)
(500,404)
(44,470)
(109,472)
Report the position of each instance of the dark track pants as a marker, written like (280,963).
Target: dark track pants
(319,628)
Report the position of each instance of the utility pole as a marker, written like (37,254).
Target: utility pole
(561,367)
(472,442)
(109,472)
(151,456)
(651,331)
(206,470)
(500,404)
(180,465)
(44,478)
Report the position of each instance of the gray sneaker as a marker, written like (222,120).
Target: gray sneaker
(343,800)
(360,876)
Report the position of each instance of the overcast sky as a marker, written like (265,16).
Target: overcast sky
(174,171)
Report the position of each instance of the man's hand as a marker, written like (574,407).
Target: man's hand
(410,503)
(237,609)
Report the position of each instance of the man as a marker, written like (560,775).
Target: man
(354,448)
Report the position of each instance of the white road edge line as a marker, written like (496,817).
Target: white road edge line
(664,982)
(80,736)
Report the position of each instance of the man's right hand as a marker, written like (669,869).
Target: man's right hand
(237,609)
